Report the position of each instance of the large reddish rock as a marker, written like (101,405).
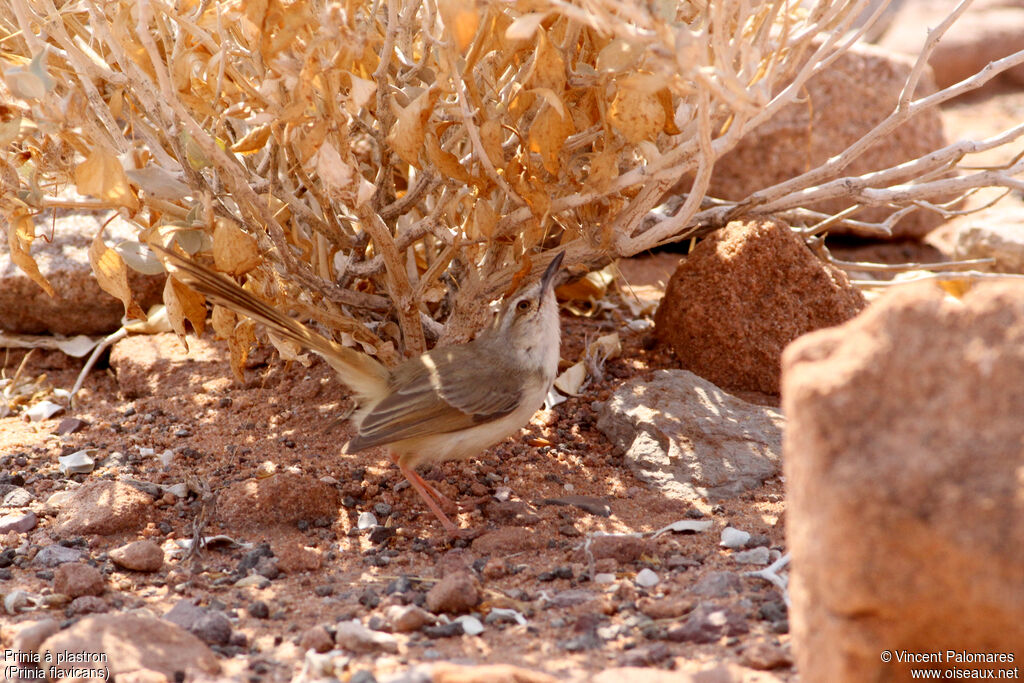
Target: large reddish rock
(128,645)
(104,508)
(80,306)
(741,296)
(838,107)
(903,465)
(284,498)
(989,30)
(145,363)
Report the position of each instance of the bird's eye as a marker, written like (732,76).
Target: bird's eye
(523,305)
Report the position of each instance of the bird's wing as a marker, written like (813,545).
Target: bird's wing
(444,390)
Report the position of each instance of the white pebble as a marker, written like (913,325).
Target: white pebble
(604,578)
(78,462)
(471,626)
(734,538)
(646,578)
(366,520)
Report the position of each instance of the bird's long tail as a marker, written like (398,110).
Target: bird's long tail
(363,374)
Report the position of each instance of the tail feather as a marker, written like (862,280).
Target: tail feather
(363,374)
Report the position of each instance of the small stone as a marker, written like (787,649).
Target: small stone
(449,630)
(707,623)
(140,556)
(17,497)
(408,618)
(382,510)
(571,598)
(366,520)
(759,556)
(454,594)
(69,425)
(604,578)
(88,604)
(253,581)
(79,462)
(209,625)
(646,578)
(650,655)
(471,626)
(267,567)
(55,555)
(717,584)
(356,638)
(671,607)
(624,549)
(258,610)
(18,523)
(75,579)
(764,655)
(734,538)
(317,639)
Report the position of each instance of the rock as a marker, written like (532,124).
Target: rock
(31,635)
(690,439)
(670,607)
(624,549)
(646,578)
(494,673)
(88,604)
(18,523)
(507,541)
(16,497)
(75,579)
(356,638)
(595,506)
(408,618)
(282,499)
(717,584)
(995,234)
(80,306)
(764,655)
(741,296)
(753,556)
(454,594)
(734,538)
(317,639)
(55,555)
(139,556)
(707,623)
(990,30)
(104,508)
(133,642)
(903,469)
(838,106)
(209,625)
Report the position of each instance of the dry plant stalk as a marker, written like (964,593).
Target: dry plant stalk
(387,168)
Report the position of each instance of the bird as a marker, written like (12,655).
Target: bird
(449,403)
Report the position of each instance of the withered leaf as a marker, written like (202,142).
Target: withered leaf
(234,251)
(112,276)
(20,233)
(637,112)
(184,303)
(446,162)
(548,70)
(462,19)
(407,135)
(253,141)
(102,176)
(239,343)
(548,133)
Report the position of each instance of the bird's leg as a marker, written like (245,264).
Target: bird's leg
(444,501)
(425,491)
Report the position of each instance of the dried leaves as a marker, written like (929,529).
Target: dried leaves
(380,154)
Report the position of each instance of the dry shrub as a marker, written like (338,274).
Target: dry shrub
(387,168)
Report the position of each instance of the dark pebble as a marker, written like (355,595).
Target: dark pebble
(6,575)
(381,534)
(369,598)
(362,676)
(448,630)
(381,510)
(323,591)
(258,610)
(182,433)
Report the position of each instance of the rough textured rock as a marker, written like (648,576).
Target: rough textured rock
(19,522)
(140,556)
(284,498)
(741,296)
(133,643)
(355,637)
(839,106)
(75,579)
(208,625)
(691,439)
(997,234)
(989,30)
(29,636)
(104,508)
(903,465)
(456,593)
(80,306)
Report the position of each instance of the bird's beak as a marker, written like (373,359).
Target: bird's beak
(549,275)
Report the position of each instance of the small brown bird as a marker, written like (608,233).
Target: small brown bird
(449,403)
